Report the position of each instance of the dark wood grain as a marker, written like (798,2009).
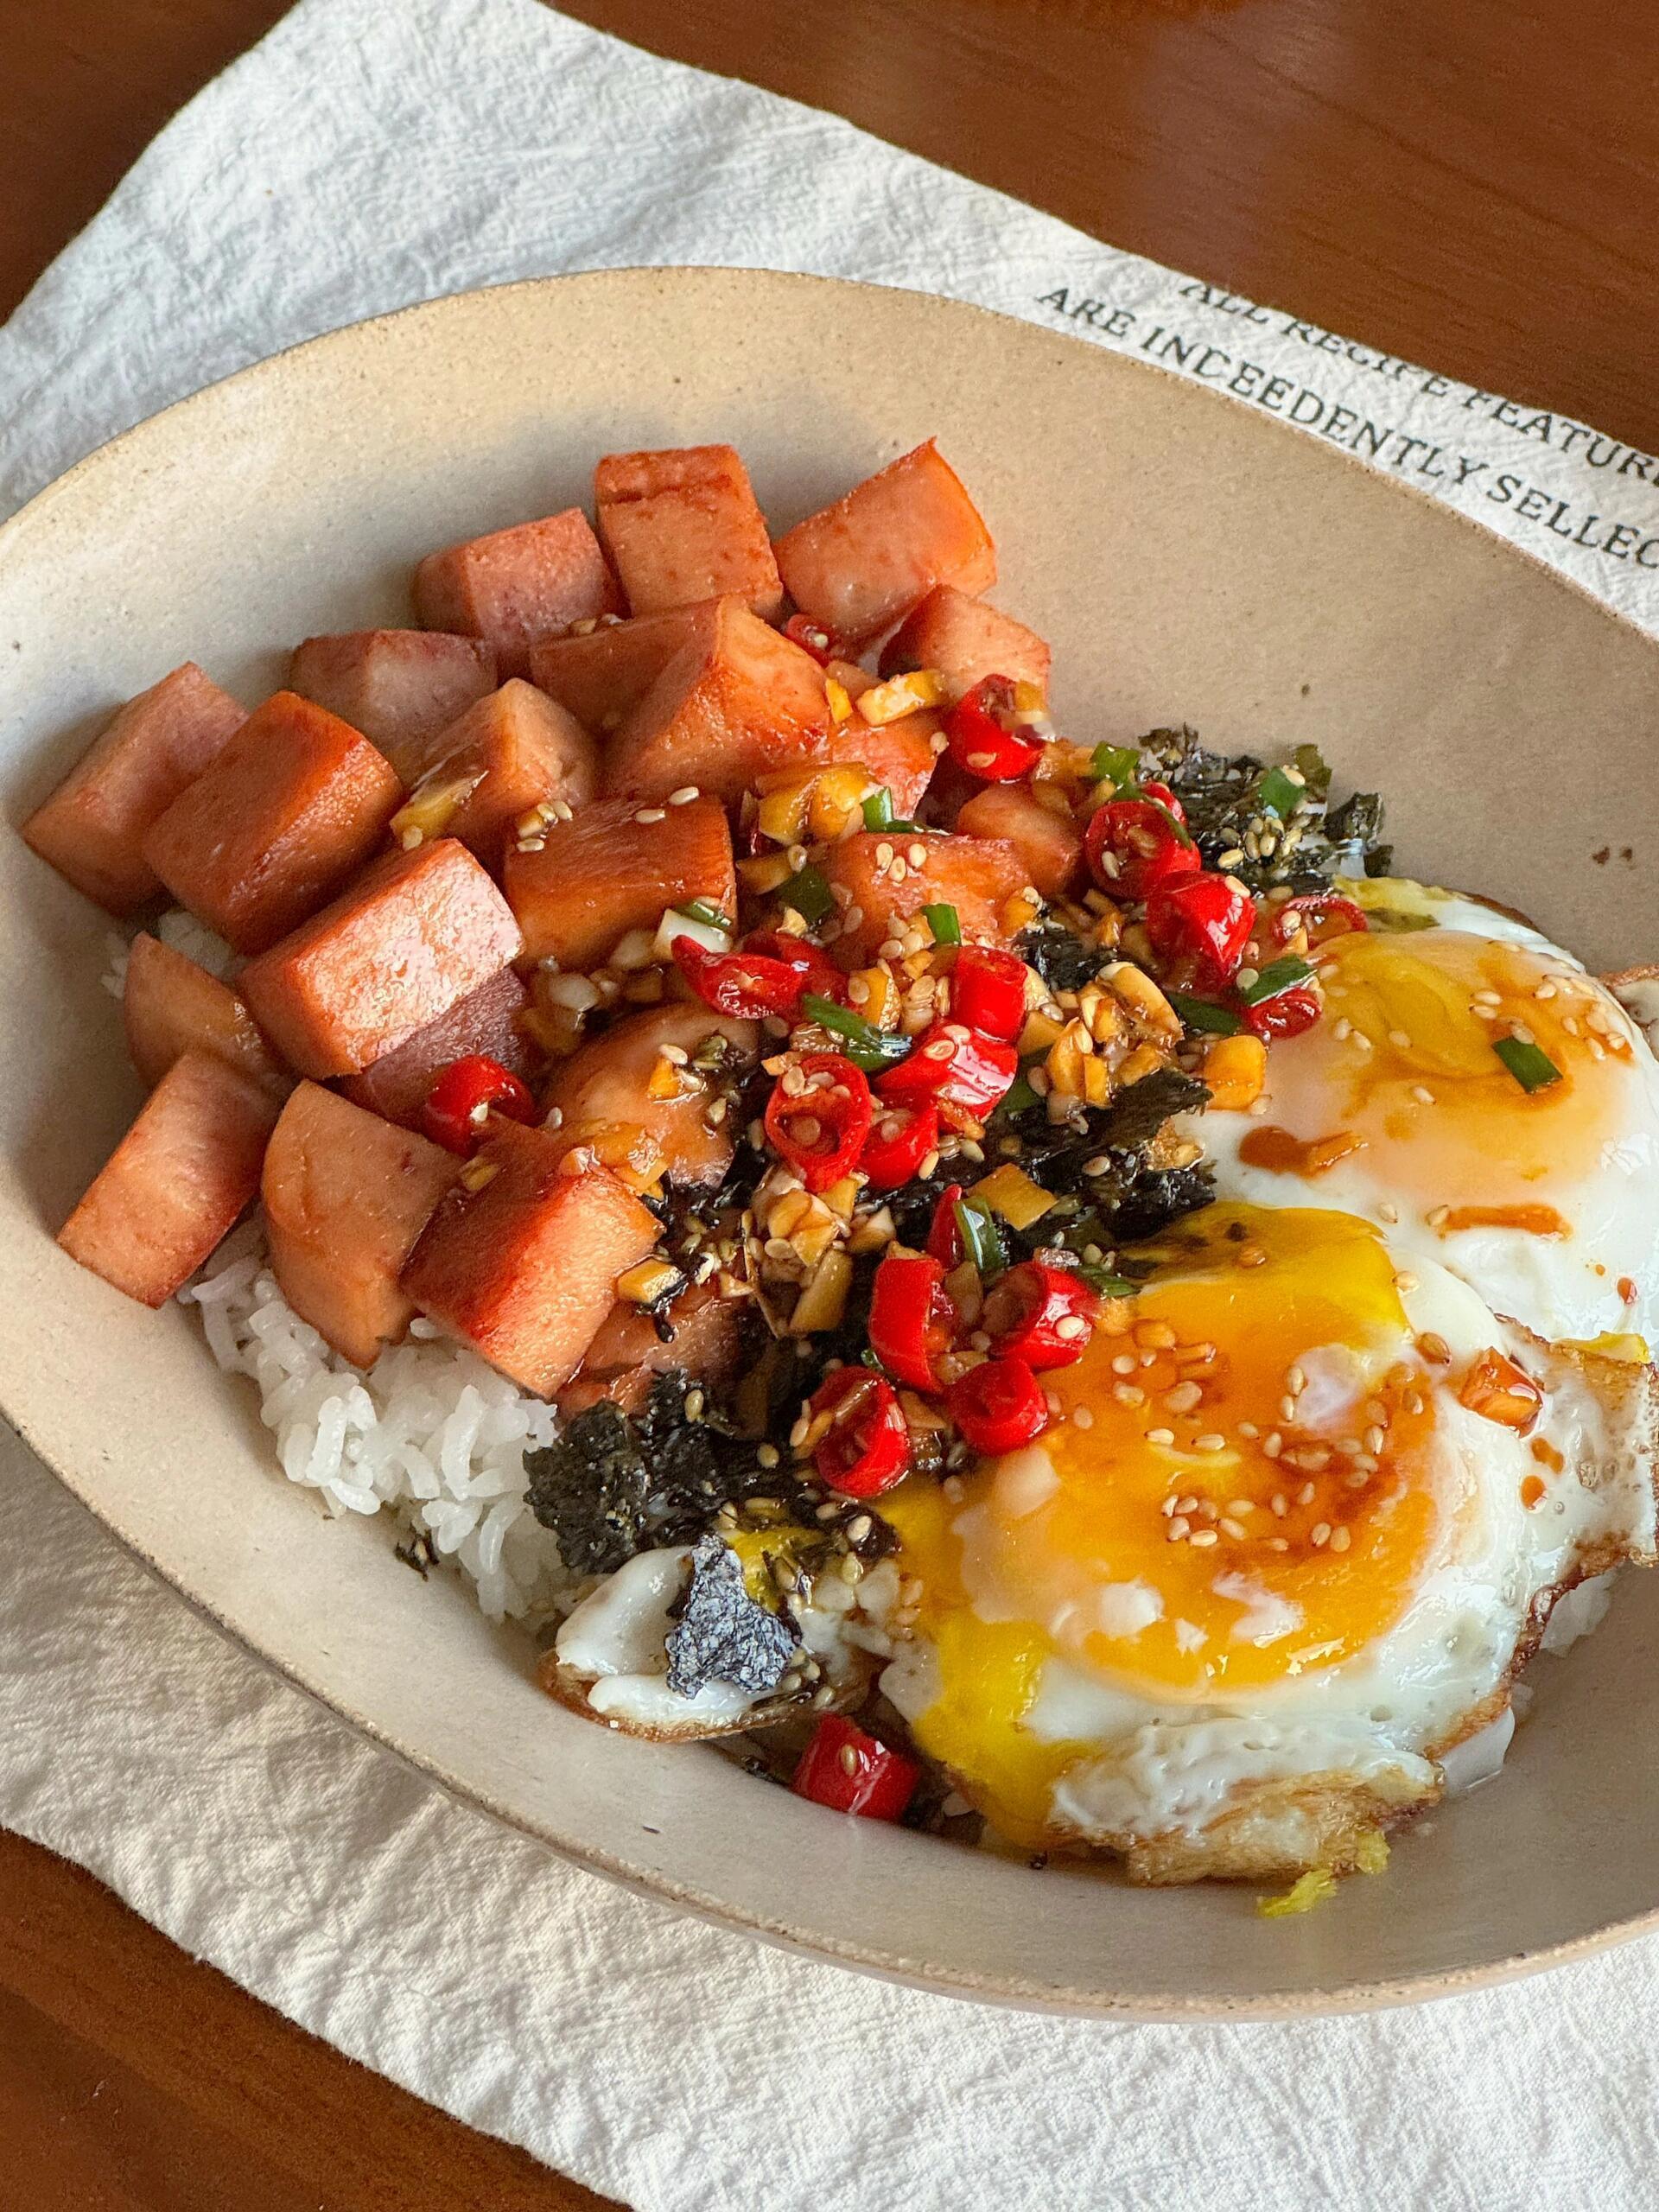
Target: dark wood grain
(1468,183)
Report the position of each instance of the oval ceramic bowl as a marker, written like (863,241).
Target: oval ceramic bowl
(1191,561)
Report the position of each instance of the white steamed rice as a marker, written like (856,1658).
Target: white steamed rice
(430,1433)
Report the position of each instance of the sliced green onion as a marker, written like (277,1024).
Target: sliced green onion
(1529,1064)
(1280,794)
(878,809)
(704,911)
(1205,1015)
(1278,975)
(982,1239)
(865,1047)
(1115,764)
(945,923)
(1018,1095)
(808,892)
(1107,1284)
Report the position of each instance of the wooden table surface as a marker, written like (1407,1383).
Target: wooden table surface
(1469,183)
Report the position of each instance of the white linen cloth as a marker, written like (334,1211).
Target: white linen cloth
(366,156)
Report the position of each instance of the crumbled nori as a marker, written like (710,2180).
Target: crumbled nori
(1063,960)
(722,1635)
(1222,800)
(609,1485)
(1127,1197)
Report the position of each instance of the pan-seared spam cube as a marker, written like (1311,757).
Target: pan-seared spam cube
(92,829)
(175,1183)
(628,1354)
(861,565)
(345,1195)
(171,1007)
(520,1260)
(516,586)
(399,687)
(682,525)
(415,934)
(901,754)
(606,1093)
(613,867)
(736,702)
(507,754)
(602,674)
(965,641)
(296,804)
(1047,838)
(976,875)
(486,1021)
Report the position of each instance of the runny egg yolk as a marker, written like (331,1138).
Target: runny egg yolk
(1240,1485)
(1404,1062)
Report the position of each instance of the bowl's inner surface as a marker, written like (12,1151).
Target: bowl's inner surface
(1190,560)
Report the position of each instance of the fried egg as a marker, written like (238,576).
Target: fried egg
(1397,1106)
(1301,1510)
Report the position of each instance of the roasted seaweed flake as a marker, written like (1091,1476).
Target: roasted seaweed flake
(1063,960)
(722,1635)
(1248,822)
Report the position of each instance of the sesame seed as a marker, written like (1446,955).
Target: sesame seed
(1202,1537)
(1340,1539)
(849,1756)
(1240,1505)
(1071,1325)
(1400,1038)
(1160,1436)
(1295,1381)
(1405,1282)
(1278,1544)
(1183,1398)
(1128,1394)
(1422,1094)
(1179,1530)
(1083,1417)
(1279,1504)
(768,1455)
(1229,1527)
(1388,1211)
(684,796)
(1210,1442)
(652,814)
(1319,1533)
(1307,1493)
(1124,1364)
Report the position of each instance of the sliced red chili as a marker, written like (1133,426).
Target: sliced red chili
(984,737)
(818,971)
(1148,788)
(945,1232)
(1321,914)
(988,991)
(912,1317)
(1040,1313)
(746,985)
(953,1065)
(866,1449)
(1286,1014)
(850,1772)
(820,1128)
(463,1097)
(901,1139)
(812,638)
(999,1405)
(1203,924)
(1132,847)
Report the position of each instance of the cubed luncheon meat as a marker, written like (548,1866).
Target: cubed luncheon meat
(415,934)
(345,1195)
(520,1260)
(1045,835)
(683,524)
(614,868)
(176,1183)
(398,1084)
(976,875)
(861,565)
(92,829)
(295,804)
(399,687)
(171,1007)
(601,675)
(603,1094)
(704,1340)
(966,641)
(515,587)
(507,754)
(737,701)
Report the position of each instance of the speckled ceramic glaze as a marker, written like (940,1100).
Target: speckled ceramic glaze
(1191,560)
